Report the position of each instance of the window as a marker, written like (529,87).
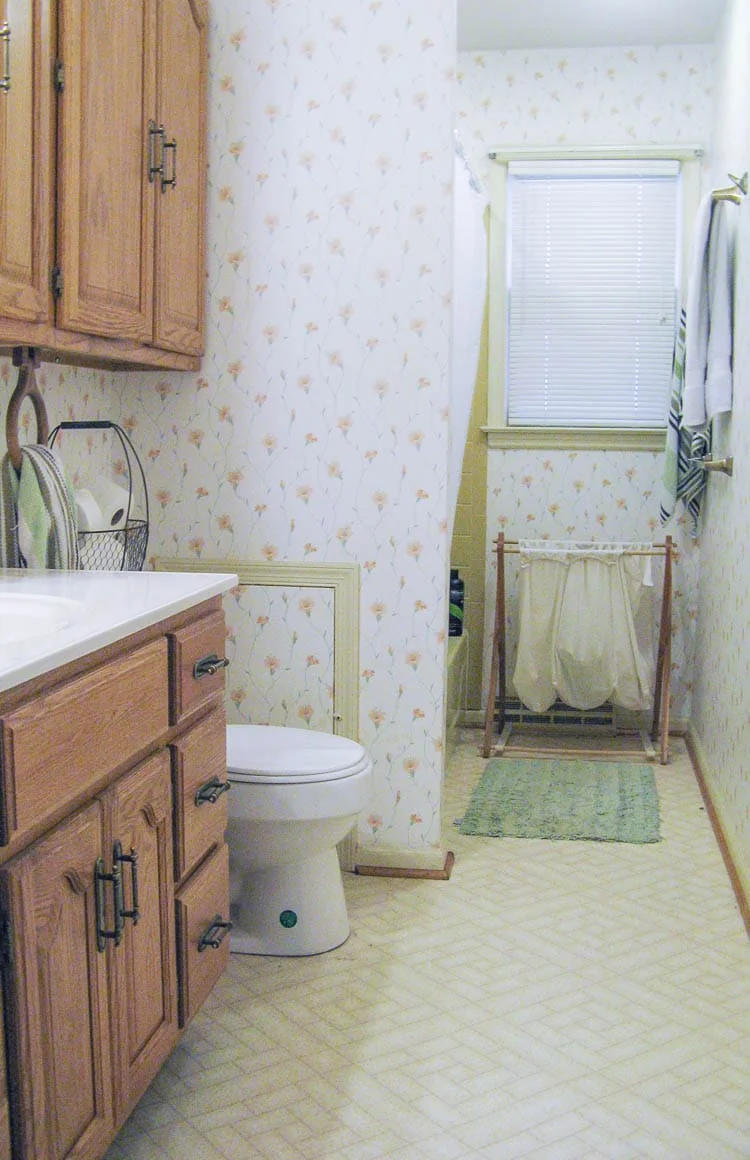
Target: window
(585,285)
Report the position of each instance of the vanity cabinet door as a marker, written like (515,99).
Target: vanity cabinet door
(105,214)
(59,1046)
(5,1153)
(143,968)
(26,107)
(179,282)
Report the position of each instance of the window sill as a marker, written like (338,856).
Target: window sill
(576,438)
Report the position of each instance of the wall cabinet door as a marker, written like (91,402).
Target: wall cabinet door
(179,281)
(56,996)
(143,967)
(26,108)
(105,217)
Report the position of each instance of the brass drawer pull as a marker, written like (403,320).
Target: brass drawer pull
(132,858)
(211,791)
(214,935)
(5,75)
(100,879)
(207,666)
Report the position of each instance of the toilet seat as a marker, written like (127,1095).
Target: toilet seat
(279,755)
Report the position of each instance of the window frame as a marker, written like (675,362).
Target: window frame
(499,433)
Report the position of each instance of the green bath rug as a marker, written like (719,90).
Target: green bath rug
(600,801)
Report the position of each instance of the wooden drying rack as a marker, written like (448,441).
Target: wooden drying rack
(27,360)
(497,691)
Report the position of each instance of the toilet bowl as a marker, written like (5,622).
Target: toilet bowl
(295,793)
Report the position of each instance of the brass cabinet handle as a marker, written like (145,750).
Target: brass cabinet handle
(132,859)
(169,147)
(100,880)
(214,935)
(5,76)
(207,666)
(155,141)
(211,791)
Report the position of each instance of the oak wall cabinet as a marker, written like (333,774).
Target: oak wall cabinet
(103,180)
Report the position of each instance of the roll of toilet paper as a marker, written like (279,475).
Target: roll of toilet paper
(113,501)
(88,511)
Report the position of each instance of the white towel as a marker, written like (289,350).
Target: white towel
(708,322)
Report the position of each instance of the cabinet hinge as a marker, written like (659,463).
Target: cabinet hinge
(56,279)
(6,942)
(58,76)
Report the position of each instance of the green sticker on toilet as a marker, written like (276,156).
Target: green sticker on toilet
(288,918)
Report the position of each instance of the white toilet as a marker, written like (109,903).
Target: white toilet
(295,794)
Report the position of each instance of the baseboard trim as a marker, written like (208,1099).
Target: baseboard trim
(700,764)
(409,871)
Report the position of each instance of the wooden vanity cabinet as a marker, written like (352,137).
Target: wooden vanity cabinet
(93,910)
(123,84)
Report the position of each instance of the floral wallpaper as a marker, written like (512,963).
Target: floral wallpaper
(280,645)
(594,96)
(318,426)
(721,713)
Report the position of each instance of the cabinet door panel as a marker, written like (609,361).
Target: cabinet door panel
(26,163)
(5,1152)
(59,1037)
(144,973)
(203,900)
(105,201)
(198,757)
(180,287)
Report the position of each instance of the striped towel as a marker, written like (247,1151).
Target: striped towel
(683,479)
(37,513)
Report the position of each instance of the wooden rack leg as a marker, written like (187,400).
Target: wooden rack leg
(663,660)
(497,667)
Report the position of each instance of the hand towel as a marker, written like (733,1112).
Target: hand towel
(684,479)
(9,557)
(45,526)
(708,318)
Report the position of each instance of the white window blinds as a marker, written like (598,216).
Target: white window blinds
(592,277)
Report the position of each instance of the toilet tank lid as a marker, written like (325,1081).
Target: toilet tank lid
(278,750)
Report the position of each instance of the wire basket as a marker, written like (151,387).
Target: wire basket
(120,549)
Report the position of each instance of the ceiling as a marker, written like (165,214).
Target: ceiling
(484,25)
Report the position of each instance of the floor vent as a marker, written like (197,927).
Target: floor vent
(603,717)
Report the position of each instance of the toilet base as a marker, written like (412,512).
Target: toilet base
(294,909)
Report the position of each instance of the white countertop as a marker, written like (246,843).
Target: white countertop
(100,608)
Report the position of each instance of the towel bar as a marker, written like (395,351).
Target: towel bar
(27,360)
(724,465)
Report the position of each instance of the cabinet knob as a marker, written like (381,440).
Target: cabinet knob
(211,791)
(207,666)
(214,935)
(5,75)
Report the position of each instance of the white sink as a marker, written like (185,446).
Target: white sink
(26,617)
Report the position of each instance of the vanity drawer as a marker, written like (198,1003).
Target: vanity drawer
(199,778)
(192,681)
(61,744)
(200,904)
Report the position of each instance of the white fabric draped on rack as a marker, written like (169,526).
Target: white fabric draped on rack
(585,625)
